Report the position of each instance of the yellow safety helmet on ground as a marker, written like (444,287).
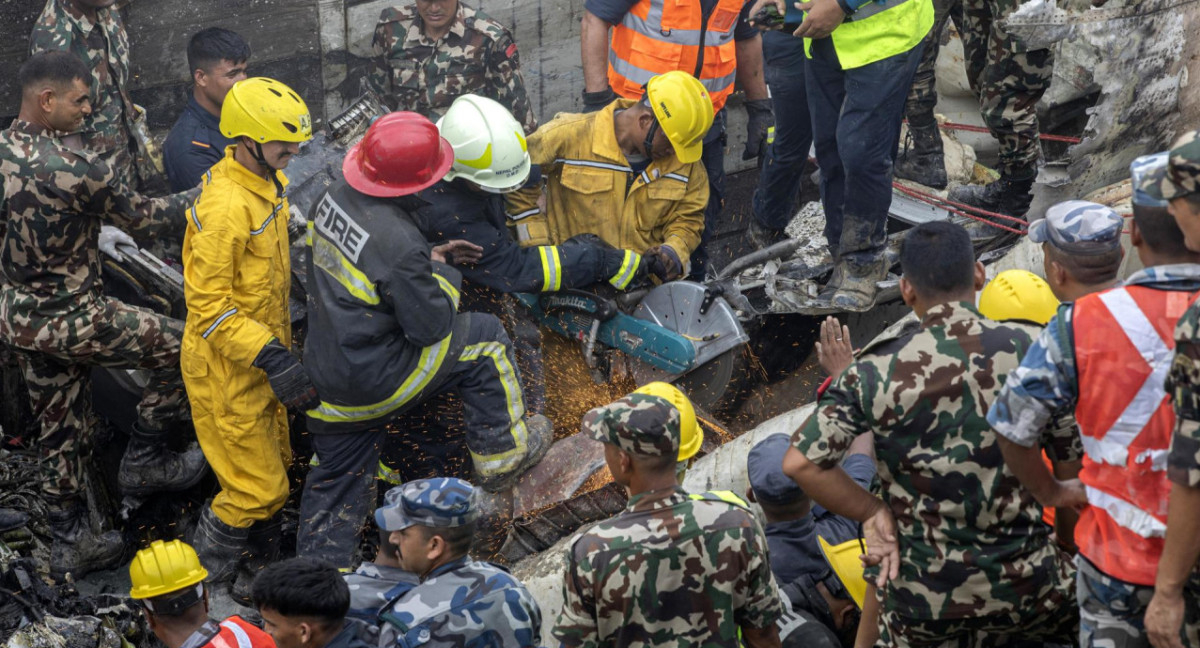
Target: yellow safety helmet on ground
(1018,295)
(265,110)
(164,568)
(843,559)
(684,112)
(690,434)
(489,144)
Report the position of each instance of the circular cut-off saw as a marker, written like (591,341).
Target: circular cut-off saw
(677,332)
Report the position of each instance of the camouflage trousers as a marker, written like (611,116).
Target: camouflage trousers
(1112,612)
(1008,79)
(56,355)
(922,97)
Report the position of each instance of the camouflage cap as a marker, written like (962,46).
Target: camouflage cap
(441,502)
(640,424)
(1183,171)
(1079,227)
(764,468)
(1148,170)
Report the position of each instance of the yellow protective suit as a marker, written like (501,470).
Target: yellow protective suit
(237,275)
(589,190)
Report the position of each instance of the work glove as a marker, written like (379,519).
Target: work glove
(759,121)
(593,101)
(288,378)
(663,262)
(110,238)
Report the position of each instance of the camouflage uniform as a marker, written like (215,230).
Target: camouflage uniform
(477,56)
(462,603)
(974,553)
(51,306)
(673,569)
(104,47)
(922,97)
(373,586)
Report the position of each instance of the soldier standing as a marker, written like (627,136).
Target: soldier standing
(645,576)
(93,31)
(972,554)
(428,53)
(56,195)
(460,601)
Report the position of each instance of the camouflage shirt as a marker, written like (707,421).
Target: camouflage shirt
(373,586)
(104,47)
(971,538)
(477,56)
(673,569)
(1183,384)
(464,604)
(55,199)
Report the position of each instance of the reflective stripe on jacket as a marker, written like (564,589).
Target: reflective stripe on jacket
(1124,346)
(658,36)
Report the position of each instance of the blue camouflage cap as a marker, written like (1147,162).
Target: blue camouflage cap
(640,424)
(764,466)
(1148,170)
(1183,170)
(1079,227)
(441,502)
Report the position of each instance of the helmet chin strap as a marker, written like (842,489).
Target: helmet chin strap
(648,144)
(258,156)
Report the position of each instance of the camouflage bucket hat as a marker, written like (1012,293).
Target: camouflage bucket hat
(640,424)
(1148,169)
(1182,177)
(1079,227)
(442,502)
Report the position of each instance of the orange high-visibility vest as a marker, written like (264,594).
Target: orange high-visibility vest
(236,632)
(1124,346)
(658,36)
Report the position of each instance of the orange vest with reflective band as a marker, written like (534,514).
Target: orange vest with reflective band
(1124,345)
(237,632)
(658,36)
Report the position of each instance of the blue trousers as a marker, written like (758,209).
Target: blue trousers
(779,179)
(713,159)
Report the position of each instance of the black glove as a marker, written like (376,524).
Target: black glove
(662,262)
(288,378)
(759,120)
(593,101)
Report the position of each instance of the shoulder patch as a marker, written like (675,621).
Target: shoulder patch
(510,50)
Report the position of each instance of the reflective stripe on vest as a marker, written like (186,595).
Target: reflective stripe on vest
(880,30)
(654,37)
(243,639)
(1124,347)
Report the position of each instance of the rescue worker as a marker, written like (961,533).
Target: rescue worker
(239,372)
(57,196)
(168,580)
(491,159)
(376,583)
(643,577)
(93,31)
(630,174)
(385,335)
(862,56)
(217,59)
(460,601)
(427,54)
(1172,618)
(303,604)
(711,40)
(1018,295)
(966,552)
(1072,274)
(1103,358)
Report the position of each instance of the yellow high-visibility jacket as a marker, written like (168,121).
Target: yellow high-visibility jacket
(592,190)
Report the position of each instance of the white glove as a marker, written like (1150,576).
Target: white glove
(110,238)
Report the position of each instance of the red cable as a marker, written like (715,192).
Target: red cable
(981,129)
(958,208)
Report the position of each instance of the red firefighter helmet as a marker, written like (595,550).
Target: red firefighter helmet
(401,154)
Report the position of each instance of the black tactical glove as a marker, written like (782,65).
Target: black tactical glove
(759,120)
(288,378)
(593,101)
(662,262)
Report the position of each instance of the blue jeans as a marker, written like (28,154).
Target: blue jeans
(779,180)
(713,159)
(856,118)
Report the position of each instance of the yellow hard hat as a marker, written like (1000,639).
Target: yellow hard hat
(684,112)
(265,110)
(1020,295)
(690,434)
(843,559)
(163,568)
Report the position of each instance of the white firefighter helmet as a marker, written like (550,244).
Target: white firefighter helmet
(489,144)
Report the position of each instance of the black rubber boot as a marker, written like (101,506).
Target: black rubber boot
(860,283)
(78,549)
(922,159)
(1011,195)
(764,237)
(262,550)
(149,466)
(220,547)
(541,435)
